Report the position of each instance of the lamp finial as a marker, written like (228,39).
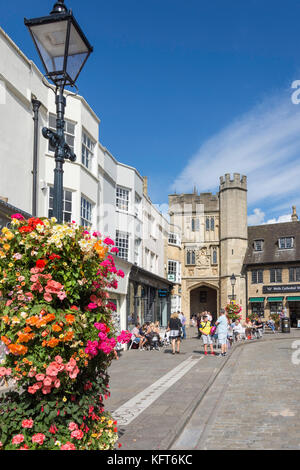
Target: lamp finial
(59,7)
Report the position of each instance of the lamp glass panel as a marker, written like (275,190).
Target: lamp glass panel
(77,53)
(51,42)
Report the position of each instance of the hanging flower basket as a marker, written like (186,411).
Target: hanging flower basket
(56,324)
(233,311)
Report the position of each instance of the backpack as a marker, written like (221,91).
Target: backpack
(213,330)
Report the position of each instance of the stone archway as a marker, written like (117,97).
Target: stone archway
(204,297)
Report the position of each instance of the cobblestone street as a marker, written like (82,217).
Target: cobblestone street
(253,404)
(250,400)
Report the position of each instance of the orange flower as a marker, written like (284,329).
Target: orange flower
(70,318)
(45,333)
(5,340)
(100,249)
(68,336)
(27,329)
(52,342)
(6,319)
(25,337)
(56,328)
(32,320)
(17,349)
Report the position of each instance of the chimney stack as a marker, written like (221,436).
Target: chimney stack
(294,214)
(145,185)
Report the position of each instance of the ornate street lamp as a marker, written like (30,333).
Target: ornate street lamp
(233,281)
(63,49)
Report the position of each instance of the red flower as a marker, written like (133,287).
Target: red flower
(54,256)
(41,263)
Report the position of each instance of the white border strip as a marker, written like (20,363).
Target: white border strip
(126,413)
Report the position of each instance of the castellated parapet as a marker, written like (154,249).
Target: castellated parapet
(238,181)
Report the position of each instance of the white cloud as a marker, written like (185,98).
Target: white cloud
(263,144)
(257,218)
(281,218)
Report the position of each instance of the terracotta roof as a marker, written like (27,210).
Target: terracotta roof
(270,234)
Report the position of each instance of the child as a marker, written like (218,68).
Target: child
(204,328)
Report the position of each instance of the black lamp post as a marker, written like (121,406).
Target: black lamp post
(63,49)
(233,281)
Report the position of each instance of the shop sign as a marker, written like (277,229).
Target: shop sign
(285,289)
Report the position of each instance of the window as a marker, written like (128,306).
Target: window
(190,257)
(69,132)
(207,224)
(122,242)
(67,204)
(173,239)
(286,243)
(87,150)
(294,274)
(85,212)
(215,256)
(174,271)
(122,198)
(276,275)
(257,276)
(258,245)
(195,225)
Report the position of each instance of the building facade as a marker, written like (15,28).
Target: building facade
(213,231)
(272,269)
(99,191)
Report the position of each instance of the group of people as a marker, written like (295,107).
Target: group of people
(225,330)
(145,334)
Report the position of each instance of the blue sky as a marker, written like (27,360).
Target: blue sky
(188,90)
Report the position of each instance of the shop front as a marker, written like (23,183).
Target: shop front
(293,303)
(275,305)
(257,306)
(148,298)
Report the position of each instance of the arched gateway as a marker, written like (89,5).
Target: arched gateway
(204,297)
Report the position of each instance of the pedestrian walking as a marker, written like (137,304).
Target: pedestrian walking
(182,318)
(175,328)
(222,324)
(205,327)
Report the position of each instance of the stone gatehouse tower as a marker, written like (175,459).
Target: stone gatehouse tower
(213,229)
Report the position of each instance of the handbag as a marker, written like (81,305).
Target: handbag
(213,330)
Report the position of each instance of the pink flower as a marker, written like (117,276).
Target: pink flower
(77,434)
(61,295)
(57,383)
(46,390)
(4,371)
(31,390)
(97,234)
(108,241)
(58,359)
(17,216)
(92,306)
(68,446)
(27,423)
(74,373)
(40,377)
(38,438)
(47,297)
(114,250)
(17,439)
(120,273)
(47,382)
(73,426)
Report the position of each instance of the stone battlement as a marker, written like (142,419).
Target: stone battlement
(238,181)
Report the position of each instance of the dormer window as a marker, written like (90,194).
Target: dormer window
(258,245)
(286,243)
